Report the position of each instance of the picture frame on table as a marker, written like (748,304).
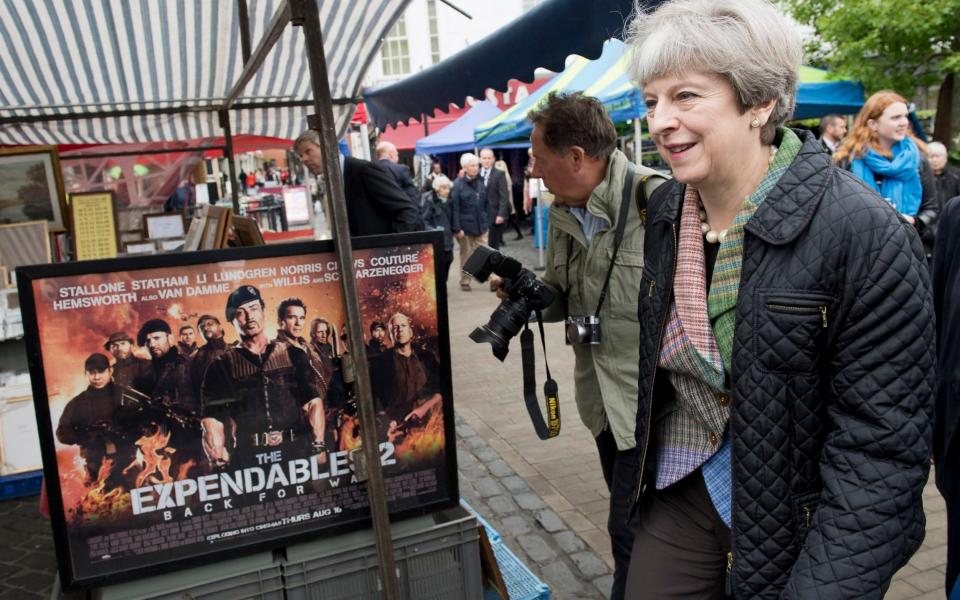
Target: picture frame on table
(216,227)
(159,226)
(23,244)
(246,231)
(140,247)
(171,244)
(31,186)
(93,224)
(191,242)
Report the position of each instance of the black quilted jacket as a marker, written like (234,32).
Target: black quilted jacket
(832,383)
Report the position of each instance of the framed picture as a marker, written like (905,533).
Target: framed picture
(154,486)
(24,244)
(93,219)
(31,186)
(140,247)
(170,245)
(297,205)
(216,228)
(191,241)
(246,231)
(158,226)
(19,451)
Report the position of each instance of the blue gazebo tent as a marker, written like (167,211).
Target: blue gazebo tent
(606,79)
(458,136)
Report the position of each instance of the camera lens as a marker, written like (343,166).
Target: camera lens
(575,332)
(505,322)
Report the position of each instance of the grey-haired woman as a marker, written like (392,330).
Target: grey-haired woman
(786,363)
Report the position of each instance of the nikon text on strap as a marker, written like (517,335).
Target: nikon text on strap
(550,428)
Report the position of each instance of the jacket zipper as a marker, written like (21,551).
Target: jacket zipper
(663,323)
(728,580)
(802,310)
(807,516)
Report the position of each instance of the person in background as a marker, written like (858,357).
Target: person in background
(389,159)
(946,177)
(833,128)
(181,198)
(497,193)
(946,450)
(437,214)
(470,220)
(786,333)
(532,188)
(512,221)
(883,152)
(435,170)
(375,204)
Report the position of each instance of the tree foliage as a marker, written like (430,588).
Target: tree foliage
(885,44)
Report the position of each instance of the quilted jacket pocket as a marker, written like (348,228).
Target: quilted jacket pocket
(790,331)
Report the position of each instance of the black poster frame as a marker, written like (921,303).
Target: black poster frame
(26,276)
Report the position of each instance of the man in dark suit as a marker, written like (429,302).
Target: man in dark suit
(833,128)
(498,196)
(388,158)
(375,204)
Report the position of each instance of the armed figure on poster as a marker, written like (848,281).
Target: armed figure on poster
(212,333)
(187,345)
(97,421)
(167,395)
(127,368)
(260,396)
(405,380)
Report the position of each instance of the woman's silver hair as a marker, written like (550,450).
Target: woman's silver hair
(441,181)
(747,42)
(468,158)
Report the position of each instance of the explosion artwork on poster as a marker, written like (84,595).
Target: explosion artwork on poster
(200,404)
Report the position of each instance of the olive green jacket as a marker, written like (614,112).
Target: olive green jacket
(605,375)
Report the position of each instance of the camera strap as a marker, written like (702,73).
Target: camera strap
(550,428)
(618,235)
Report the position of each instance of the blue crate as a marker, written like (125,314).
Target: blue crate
(521,583)
(21,484)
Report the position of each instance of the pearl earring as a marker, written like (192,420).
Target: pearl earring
(755,123)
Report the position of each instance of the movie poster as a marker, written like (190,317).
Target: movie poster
(202,404)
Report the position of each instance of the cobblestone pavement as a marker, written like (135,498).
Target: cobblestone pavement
(546,498)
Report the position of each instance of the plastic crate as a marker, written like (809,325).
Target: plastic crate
(21,484)
(256,577)
(437,557)
(521,583)
(492,533)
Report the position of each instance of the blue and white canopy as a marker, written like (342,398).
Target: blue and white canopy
(178,59)
(604,78)
(607,80)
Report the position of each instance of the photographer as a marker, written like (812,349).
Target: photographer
(574,152)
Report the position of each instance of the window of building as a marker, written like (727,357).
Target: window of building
(394,53)
(434,32)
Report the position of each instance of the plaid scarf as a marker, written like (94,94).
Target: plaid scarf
(698,338)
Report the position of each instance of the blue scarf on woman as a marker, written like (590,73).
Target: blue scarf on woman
(901,175)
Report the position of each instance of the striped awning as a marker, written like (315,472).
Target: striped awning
(176,60)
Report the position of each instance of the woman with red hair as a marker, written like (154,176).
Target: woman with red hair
(882,151)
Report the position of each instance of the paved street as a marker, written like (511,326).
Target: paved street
(546,498)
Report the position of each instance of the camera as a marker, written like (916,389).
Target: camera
(583,330)
(524,293)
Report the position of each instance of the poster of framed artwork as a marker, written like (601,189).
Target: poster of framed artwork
(31,186)
(159,226)
(93,218)
(153,485)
